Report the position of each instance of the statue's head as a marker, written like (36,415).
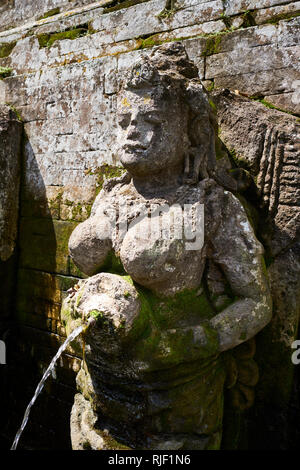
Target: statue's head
(164,113)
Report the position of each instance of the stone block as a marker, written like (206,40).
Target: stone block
(44,244)
(233,7)
(10,167)
(277,12)
(258,84)
(289,102)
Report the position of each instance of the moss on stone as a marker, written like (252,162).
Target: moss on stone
(221,151)
(65,282)
(66,312)
(112,264)
(91,30)
(110,442)
(210,86)
(123,4)
(226,19)
(6,48)
(151,41)
(169,10)
(54,11)
(212,45)
(54,205)
(97,314)
(76,211)
(47,40)
(104,172)
(271,106)
(5,72)
(19,117)
(167,310)
(161,344)
(238,160)
(248,19)
(212,105)
(282,16)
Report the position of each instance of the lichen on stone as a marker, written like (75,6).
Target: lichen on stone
(5,72)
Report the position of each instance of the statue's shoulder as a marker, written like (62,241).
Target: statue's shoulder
(109,192)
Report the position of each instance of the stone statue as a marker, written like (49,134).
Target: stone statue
(166,311)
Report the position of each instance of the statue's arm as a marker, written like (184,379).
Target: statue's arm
(90,242)
(240,256)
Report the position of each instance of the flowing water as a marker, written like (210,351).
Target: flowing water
(40,386)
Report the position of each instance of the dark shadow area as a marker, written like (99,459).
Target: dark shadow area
(29,341)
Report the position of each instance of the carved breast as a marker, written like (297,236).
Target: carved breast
(163,247)
(165,265)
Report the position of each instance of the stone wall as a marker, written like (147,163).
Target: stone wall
(15,12)
(62,74)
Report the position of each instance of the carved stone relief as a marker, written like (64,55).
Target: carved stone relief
(174,324)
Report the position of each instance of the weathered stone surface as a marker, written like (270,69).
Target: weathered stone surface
(10,148)
(146,336)
(256,60)
(43,244)
(144,19)
(289,102)
(13,13)
(267,143)
(264,84)
(83,419)
(272,14)
(103,44)
(232,7)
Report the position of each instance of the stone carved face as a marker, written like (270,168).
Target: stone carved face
(153,131)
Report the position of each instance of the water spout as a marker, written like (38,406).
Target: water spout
(41,384)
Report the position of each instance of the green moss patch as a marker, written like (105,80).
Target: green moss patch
(271,106)
(47,40)
(169,10)
(227,20)
(248,19)
(6,49)
(283,16)
(18,115)
(212,45)
(160,314)
(238,160)
(5,72)
(54,11)
(104,172)
(112,264)
(167,310)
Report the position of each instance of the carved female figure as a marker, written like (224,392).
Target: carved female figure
(154,370)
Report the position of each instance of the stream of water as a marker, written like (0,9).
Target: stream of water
(41,384)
